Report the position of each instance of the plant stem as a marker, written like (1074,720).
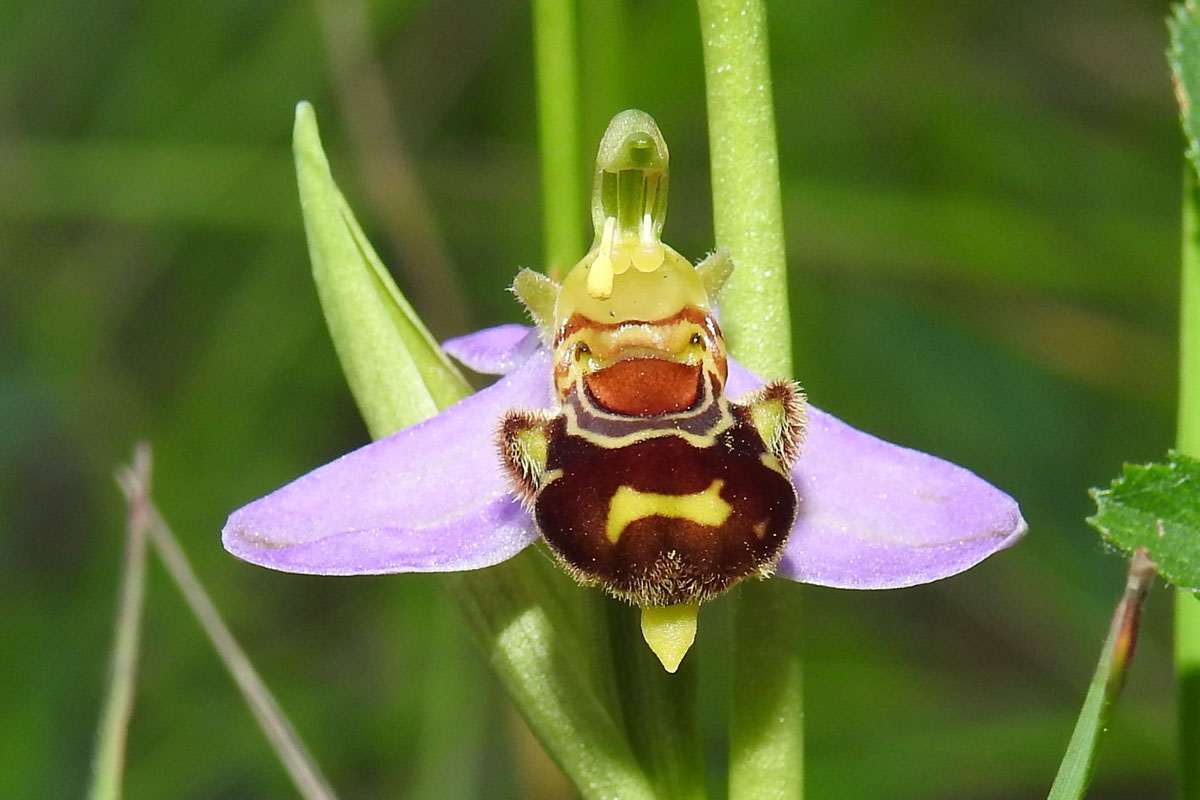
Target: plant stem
(766,728)
(766,737)
(1187,604)
(1075,771)
(109,763)
(558,133)
(747,210)
(603,66)
(658,709)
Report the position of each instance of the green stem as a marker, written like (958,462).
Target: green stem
(658,708)
(1075,770)
(603,66)
(558,128)
(766,736)
(747,210)
(766,725)
(1187,606)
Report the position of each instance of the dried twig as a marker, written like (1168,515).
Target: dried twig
(108,766)
(307,777)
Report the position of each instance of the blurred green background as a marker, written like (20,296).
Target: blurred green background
(981,201)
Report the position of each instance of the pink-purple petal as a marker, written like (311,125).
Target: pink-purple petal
(429,498)
(494,351)
(874,515)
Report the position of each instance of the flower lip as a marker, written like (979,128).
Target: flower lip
(645,386)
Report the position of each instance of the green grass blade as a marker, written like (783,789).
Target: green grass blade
(1075,771)
(109,762)
(558,132)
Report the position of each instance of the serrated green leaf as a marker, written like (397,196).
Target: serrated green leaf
(1184,56)
(396,371)
(1156,506)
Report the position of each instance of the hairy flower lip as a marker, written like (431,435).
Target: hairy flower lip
(872,515)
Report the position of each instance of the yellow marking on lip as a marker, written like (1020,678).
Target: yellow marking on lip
(771,462)
(629,505)
(708,438)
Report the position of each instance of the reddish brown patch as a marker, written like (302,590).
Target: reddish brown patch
(660,560)
(643,387)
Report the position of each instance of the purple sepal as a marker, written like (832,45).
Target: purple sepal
(430,498)
(494,351)
(874,515)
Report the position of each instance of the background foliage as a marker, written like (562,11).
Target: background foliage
(981,203)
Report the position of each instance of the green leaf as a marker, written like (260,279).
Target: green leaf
(1075,771)
(396,371)
(546,640)
(1184,57)
(539,630)
(1156,506)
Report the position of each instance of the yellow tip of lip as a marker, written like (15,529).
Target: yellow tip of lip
(670,632)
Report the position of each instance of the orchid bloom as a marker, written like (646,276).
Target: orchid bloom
(611,436)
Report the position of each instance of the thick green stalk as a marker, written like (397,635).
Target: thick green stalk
(558,127)
(766,736)
(603,66)
(1187,604)
(766,727)
(747,210)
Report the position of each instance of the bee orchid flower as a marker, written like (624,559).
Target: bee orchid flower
(611,435)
